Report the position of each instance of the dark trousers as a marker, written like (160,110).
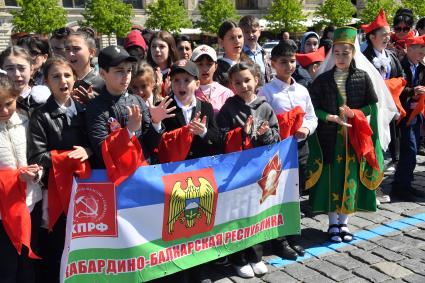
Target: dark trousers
(15,268)
(394,145)
(51,248)
(409,144)
(251,254)
(303,153)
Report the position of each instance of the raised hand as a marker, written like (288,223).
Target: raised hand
(134,118)
(161,112)
(198,126)
(248,125)
(83,95)
(264,127)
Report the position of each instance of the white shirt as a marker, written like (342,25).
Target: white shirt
(283,98)
(385,62)
(70,110)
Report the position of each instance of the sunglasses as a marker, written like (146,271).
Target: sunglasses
(400,29)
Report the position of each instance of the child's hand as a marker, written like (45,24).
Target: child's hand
(301,133)
(83,95)
(338,120)
(29,173)
(204,98)
(80,152)
(248,125)
(167,85)
(198,126)
(346,111)
(264,127)
(161,112)
(134,118)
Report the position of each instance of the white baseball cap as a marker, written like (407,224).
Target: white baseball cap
(204,50)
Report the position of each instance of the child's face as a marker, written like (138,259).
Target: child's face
(58,46)
(7,106)
(343,55)
(18,70)
(184,85)
(381,38)
(78,53)
(416,53)
(142,86)
(244,83)
(311,45)
(401,30)
(206,70)
(284,66)
(184,49)
(60,80)
(251,35)
(160,51)
(232,42)
(117,78)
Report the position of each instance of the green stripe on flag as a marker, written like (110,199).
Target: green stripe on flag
(158,258)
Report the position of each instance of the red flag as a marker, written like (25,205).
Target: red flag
(396,86)
(60,182)
(15,214)
(122,155)
(175,145)
(290,122)
(360,136)
(418,109)
(234,141)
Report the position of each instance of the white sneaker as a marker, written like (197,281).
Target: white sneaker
(244,271)
(259,268)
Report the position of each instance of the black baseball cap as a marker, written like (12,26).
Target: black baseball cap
(185,66)
(112,56)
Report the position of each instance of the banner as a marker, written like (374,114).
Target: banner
(169,217)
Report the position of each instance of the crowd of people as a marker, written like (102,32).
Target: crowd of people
(57,104)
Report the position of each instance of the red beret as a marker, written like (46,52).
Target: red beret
(379,22)
(307,59)
(419,40)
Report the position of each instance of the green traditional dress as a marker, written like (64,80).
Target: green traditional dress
(345,185)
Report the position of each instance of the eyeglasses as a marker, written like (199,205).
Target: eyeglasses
(400,29)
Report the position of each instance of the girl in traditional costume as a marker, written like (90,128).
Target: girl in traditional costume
(346,157)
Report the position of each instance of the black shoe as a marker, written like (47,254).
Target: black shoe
(405,195)
(298,249)
(421,150)
(287,252)
(417,193)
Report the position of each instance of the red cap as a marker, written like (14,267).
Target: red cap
(419,40)
(134,38)
(309,58)
(379,22)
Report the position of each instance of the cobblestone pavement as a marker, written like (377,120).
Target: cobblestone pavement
(389,246)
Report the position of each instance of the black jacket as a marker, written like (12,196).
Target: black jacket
(211,143)
(408,92)
(396,69)
(50,128)
(235,112)
(324,91)
(105,106)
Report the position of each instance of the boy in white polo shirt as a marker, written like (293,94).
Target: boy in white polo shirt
(284,94)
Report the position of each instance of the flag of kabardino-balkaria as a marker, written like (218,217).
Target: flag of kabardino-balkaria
(170,217)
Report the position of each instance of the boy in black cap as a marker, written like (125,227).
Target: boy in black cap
(192,132)
(114,107)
